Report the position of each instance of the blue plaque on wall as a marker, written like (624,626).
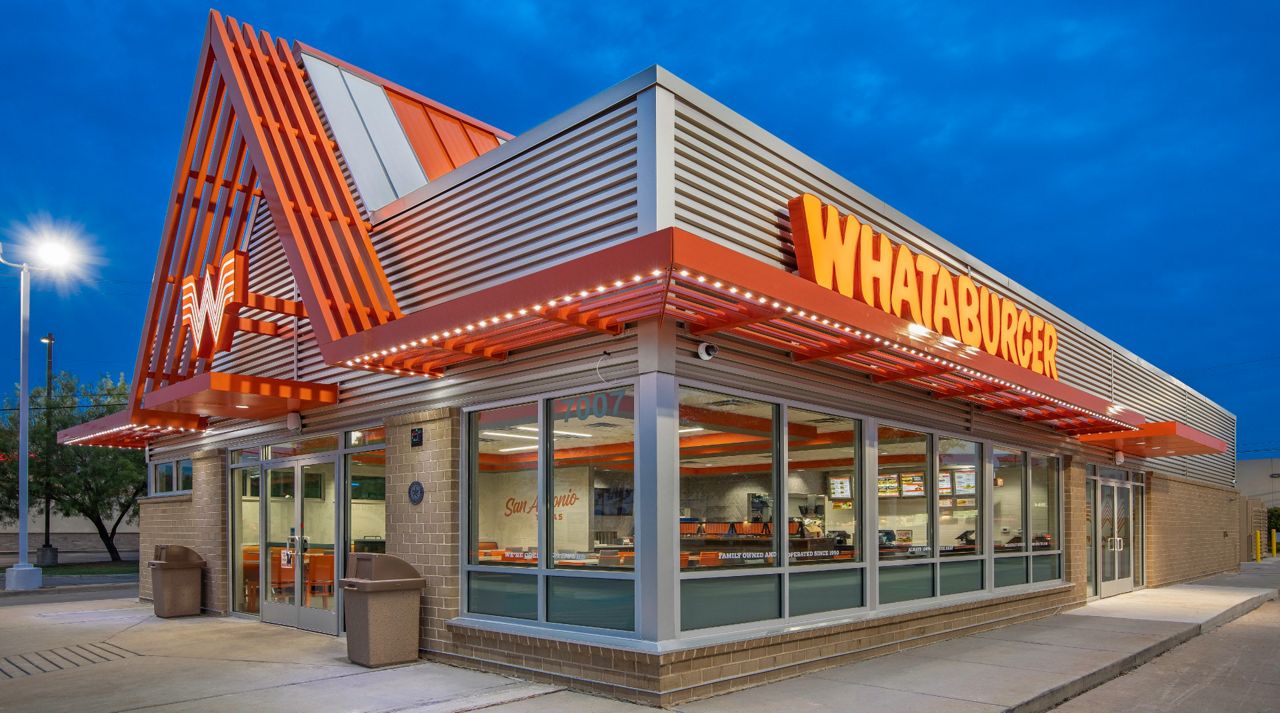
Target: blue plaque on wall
(415,492)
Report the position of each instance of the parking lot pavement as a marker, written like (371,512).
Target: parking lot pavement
(1232,669)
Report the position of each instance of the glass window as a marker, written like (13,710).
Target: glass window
(1044,503)
(905,582)
(957,577)
(184,475)
(162,481)
(367,504)
(1045,568)
(1137,540)
(592,480)
(828,590)
(823,488)
(1011,570)
(584,601)
(504,486)
(902,489)
(244,533)
(703,601)
(959,498)
(319,444)
(366,437)
(1006,500)
(726,481)
(1091,565)
(244,455)
(501,594)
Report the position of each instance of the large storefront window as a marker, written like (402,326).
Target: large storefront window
(959,498)
(367,500)
(566,479)
(1006,500)
(903,492)
(592,480)
(823,488)
(504,486)
(726,481)
(1044,503)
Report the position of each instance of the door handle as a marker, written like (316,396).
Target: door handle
(1120,542)
(291,542)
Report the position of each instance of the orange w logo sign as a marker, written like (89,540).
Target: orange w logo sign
(211,307)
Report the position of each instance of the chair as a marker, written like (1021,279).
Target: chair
(689,529)
(753,529)
(281,581)
(319,570)
(684,560)
(717,528)
(708,559)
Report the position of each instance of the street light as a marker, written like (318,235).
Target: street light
(54,253)
(48,554)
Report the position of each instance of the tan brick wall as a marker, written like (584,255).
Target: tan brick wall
(1192,529)
(1253,518)
(673,678)
(198,521)
(426,535)
(1074,522)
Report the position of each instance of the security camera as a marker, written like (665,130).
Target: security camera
(1119,458)
(707,352)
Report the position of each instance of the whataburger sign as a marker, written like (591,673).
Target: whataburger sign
(845,255)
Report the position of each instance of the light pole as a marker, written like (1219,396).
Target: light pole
(48,554)
(52,254)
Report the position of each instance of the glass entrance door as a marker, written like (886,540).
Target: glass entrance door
(1115,537)
(300,528)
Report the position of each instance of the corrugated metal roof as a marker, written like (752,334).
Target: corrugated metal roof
(393,139)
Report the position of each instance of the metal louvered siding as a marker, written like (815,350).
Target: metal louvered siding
(566,197)
(732,186)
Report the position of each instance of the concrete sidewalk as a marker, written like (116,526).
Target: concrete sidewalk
(114,655)
(1025,667)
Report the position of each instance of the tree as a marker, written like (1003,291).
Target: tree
(1273,518)
(101,485)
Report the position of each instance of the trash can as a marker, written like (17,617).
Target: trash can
(175,581)
(380,597)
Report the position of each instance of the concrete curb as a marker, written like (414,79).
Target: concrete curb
(1053,697)
(71,588)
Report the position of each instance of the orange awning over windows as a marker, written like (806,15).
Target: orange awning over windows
(215,393)
(1163,438)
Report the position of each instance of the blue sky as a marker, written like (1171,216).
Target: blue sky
(1120,159)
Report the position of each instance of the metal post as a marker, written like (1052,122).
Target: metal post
(1273,544)
(48,554)
(22,575)
(1257,545)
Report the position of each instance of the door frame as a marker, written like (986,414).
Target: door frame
(1121,544)
(298,615)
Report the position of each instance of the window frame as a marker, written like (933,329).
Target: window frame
(175,464)
(542,571)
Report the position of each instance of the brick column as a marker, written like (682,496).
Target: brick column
(198,521)
(1074,526)
(426,535)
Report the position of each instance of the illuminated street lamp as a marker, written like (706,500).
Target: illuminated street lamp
(54,253)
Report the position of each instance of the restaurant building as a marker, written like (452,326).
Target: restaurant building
(660,406)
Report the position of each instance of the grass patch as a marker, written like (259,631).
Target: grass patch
(108,567)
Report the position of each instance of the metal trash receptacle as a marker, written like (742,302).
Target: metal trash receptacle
(380,603)
(176,574)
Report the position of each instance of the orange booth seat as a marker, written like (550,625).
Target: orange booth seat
(754,529)
(716,528)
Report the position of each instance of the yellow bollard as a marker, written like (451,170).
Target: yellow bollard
(1257,545)
(1273,544)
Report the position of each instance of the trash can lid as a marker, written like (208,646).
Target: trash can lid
(383,585)
(176,557)
(379,567)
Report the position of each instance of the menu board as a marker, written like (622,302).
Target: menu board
(840,487)
(944,484)
(912,485)
(887,486)
(966,483)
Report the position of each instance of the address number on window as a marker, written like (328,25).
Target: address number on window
(597,405)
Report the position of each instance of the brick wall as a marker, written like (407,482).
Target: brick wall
(198,521)
(426,534)
(668,679)
(1192,529)
(1253,518)
(1074,526)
